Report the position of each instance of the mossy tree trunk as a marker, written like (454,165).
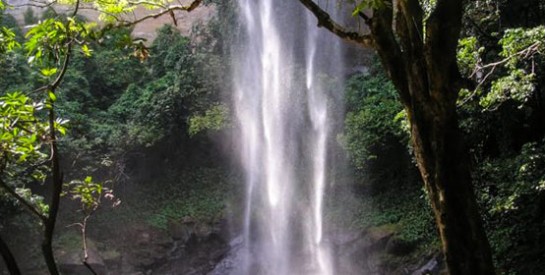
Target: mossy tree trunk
(420,57)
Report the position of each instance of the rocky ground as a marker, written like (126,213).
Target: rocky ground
(192,249)
(184,248)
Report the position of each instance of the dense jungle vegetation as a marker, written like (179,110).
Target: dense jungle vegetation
(146,124)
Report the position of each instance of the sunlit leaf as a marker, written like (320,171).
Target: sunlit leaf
(52,96)
(47,72)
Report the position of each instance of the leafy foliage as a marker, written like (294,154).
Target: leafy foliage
(89,193)
(200,195)
(468,54)
(21,132)
(406,207)
(512,192)
(214,118)
(520,50)
(86,73)
(518,85)
(372,109)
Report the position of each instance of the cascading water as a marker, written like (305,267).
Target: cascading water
(284,131)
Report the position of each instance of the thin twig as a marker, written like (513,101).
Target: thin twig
(35,4)
(525,53)
(170,9)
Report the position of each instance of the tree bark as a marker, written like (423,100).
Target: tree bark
(443,164)
(420,59)
(9,260)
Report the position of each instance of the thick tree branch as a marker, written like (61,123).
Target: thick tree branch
(391,56)
(324,20)
(410,18)
(442,33)
(408,22)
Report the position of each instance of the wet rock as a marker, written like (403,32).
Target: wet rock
(380,236)
(433,267)
(179,230)
(145,249)
(399,247)
(232,259)
(199,255)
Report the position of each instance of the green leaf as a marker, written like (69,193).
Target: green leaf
(369,4)
(47,72)
(52,96)
(86,51)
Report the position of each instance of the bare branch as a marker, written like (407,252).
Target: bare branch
(36,4)
(170,9)
(524,53)
(324,20)
(389,50)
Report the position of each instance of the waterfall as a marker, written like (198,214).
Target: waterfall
(283,127)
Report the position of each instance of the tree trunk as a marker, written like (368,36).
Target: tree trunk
(444,166)
(9,260)
(426,75)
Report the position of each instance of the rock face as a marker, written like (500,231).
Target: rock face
(378,250)
(199,247)
(432,267)
(231,261)
(190,248)
(186,247)
(374,251)
(145,249)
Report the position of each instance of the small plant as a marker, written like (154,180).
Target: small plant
(90,194)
